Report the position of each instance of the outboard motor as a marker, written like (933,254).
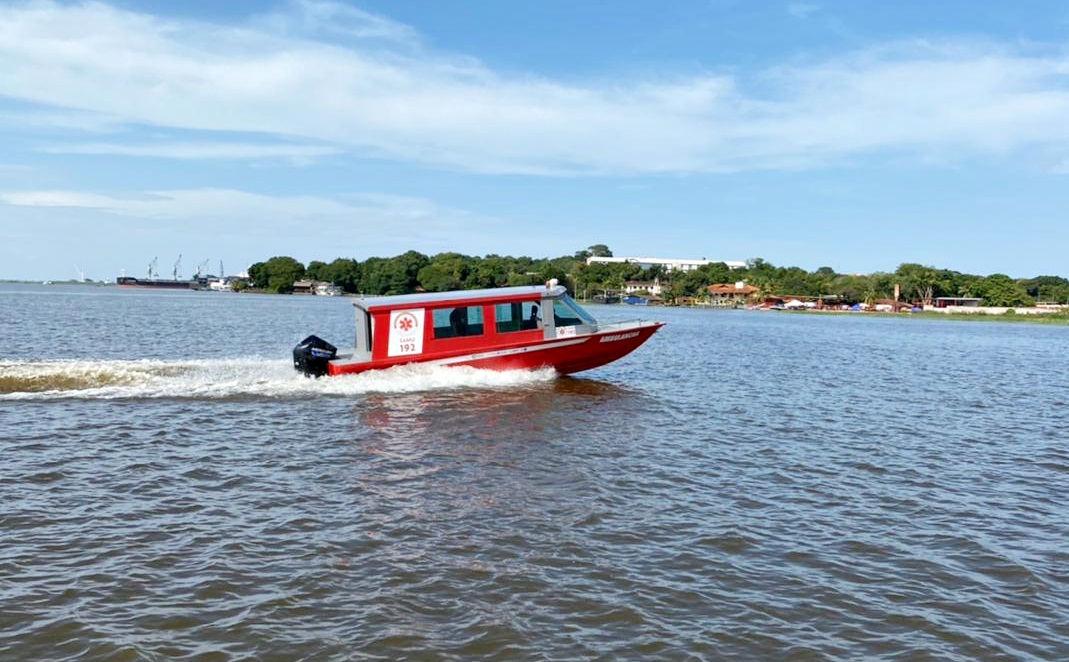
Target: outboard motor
(312,354)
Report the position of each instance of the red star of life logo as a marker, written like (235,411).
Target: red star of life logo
(405,322)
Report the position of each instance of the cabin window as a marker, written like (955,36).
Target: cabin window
(517,316)
(566,312)
(458,322)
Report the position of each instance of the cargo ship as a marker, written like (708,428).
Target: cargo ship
(154,280)
(158,283)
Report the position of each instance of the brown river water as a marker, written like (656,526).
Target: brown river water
(746,486)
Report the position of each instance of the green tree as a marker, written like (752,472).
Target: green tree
(491,271)
(1001,290)
(1047,288)
(691,283)
(881,286)
(345,273)
(525,278)
(917,282)
(760,274)
(446,271)
(967,285)
(551,270)
(372,276)
(717,272)
(277,274)
(850,288)
(316,270)
(795,281)
(258,275)
(656,272)
(400,274)
(822,281)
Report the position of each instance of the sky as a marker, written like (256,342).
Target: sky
(857,136)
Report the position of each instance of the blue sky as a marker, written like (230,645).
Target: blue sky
(843,134)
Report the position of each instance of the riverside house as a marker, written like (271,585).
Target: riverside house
(643,287)
(731,294)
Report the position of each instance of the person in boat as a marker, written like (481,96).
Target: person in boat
(458,319)
(532,321)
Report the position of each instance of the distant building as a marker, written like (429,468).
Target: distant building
(668,263)
(634,286)
(731,294)
(968,302)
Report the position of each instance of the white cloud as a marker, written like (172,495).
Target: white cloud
(278,77)
(14,168)
(56,199)
(316,18)
(244,211)
(51,120)
(199,150)
(802,9)
(1061,167)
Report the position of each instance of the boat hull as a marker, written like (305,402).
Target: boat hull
(157,284)
(566,355)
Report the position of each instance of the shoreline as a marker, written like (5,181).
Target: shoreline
(1056,319)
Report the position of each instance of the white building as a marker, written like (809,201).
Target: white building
(668,263)
(633,286)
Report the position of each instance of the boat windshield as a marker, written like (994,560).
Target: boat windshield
(566,312)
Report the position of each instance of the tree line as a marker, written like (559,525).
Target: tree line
(413,272)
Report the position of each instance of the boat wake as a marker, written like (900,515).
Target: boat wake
(233,378)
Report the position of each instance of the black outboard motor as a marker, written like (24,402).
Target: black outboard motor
(312,354)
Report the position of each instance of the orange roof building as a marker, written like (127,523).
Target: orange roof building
(727,294)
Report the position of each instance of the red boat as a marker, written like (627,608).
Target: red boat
(506,328)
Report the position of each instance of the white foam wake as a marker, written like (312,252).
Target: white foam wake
(232,378)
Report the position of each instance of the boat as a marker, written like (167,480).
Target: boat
(507,328)
(158,283)
(154,280)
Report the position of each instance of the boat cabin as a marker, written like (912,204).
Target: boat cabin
(443,324)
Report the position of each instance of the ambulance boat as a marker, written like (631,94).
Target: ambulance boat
(508,328)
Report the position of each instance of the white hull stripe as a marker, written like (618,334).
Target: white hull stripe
(505,352)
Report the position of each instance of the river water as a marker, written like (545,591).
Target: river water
(745,486)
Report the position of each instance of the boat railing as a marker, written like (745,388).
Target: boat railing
(624,325)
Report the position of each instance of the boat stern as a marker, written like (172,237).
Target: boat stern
(312,356)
